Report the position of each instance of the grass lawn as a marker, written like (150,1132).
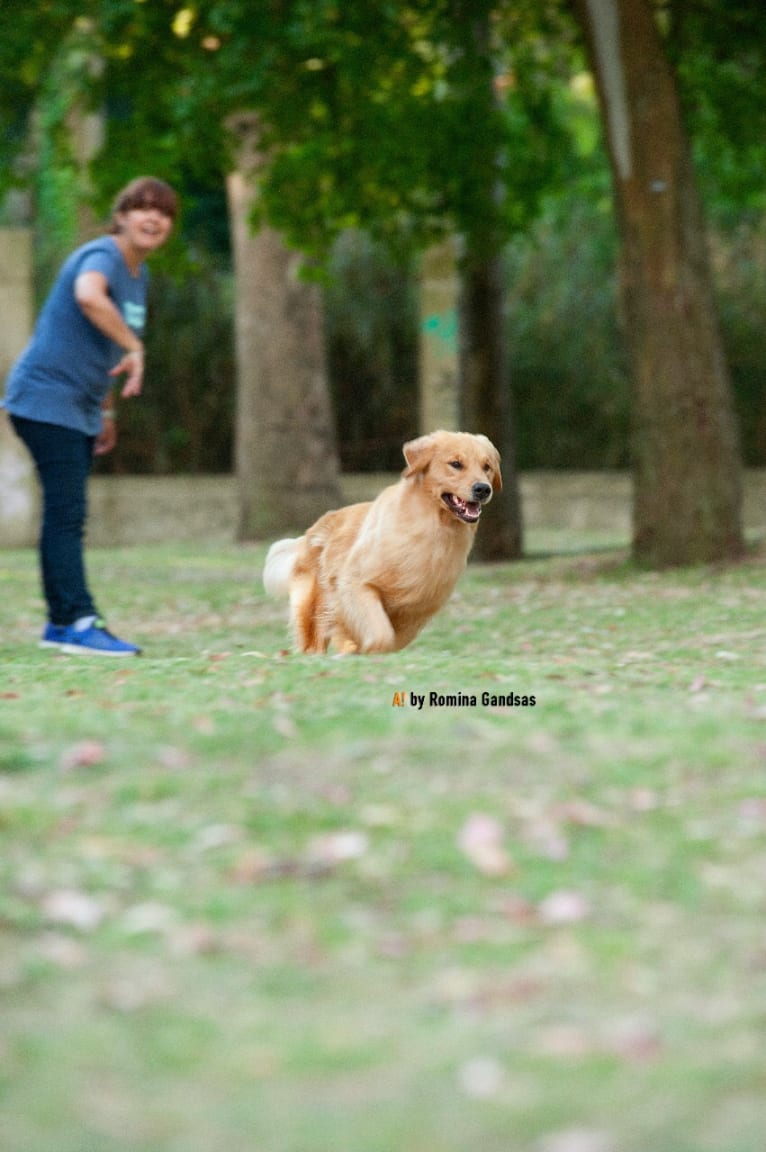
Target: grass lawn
(249,903)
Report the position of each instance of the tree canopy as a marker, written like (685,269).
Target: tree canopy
(373,110)
(369,109)
(719,52)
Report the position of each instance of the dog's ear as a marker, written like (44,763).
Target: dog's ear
(494,458)
(418,454)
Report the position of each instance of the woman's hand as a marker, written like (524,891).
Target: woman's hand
(131,363)
(107,437)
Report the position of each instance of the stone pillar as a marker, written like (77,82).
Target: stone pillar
(439,359)
(18,491)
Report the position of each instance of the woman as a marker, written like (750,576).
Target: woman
(59,397)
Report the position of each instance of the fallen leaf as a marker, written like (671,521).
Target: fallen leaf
(337,847)
(194,940)
(251,867)
(205,725)
(578,1140)
(582,813)
(393,946)
(481,842)
(148,918)
(564,907)
(481,1078)
(635,1041)
(83,755)
(566,1042)
(548,839)
(518,910)
(751,814)
(214,836)
(175,759)
(63,951)
(643,800)
(284,726)
(136,989)
(74,908)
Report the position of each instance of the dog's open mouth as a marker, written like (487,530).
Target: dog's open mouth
(470,513)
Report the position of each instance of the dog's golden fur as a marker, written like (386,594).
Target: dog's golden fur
(368,577)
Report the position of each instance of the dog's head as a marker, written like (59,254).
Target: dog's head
(459,469)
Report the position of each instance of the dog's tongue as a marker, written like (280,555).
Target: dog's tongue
(470,511)
(463,509)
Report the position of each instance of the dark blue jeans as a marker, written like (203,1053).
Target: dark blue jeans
(63,458)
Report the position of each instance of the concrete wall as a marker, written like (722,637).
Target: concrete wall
(138,510)
(18,497)
(127,510)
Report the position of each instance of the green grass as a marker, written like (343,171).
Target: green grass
(235,912)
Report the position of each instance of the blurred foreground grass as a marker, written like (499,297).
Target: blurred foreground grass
(248,903)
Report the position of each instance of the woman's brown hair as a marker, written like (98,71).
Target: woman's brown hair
(145,192)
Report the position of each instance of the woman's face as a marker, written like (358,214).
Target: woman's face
(144,229)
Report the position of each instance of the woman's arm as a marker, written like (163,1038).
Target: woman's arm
(92,296)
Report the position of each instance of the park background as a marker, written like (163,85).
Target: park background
(245,899)
(461,166)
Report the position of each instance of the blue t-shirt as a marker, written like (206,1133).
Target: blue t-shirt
(62,375)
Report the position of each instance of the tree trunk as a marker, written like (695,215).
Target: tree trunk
(485,379)
(486,399)
(687,500)
(285,450)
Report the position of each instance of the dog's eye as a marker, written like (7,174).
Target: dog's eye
(488,468)
(457,465)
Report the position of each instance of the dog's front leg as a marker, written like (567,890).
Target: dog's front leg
(343,643)
(364,619)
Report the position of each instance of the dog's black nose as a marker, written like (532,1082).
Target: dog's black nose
(481,492)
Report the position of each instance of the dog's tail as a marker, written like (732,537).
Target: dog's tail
(280,561)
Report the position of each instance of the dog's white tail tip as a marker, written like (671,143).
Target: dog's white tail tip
(280,561)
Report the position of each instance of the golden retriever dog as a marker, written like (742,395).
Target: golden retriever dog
(367,577)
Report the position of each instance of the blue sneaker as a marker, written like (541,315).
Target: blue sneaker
(95,640)
(53,635)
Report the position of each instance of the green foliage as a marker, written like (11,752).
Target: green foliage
(377,113)
(568,374)
(184,421)
(570,380)
(379,116)
(740,263)
(720,55)
(29,38)
(371,316)
(570,383)
(60,177)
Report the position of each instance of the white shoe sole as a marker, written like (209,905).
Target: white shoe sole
(86,650)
